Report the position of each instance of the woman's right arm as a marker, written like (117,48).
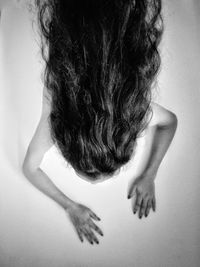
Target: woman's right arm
(41,142)
(39,145)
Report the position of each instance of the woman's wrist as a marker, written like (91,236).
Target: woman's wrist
(69,204)
(64,201)
(149,174)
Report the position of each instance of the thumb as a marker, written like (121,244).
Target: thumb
(131,191)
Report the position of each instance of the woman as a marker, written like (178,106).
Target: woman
(101,61)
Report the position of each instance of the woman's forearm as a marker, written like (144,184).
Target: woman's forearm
(79,215)
(42,182)
(157,142)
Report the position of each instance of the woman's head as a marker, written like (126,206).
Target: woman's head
(101,60)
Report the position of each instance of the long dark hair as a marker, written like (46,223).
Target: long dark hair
(101,60)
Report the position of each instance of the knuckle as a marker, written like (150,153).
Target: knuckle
(138,190)
(138,201)
(148,205)
(90,222)
(148,209)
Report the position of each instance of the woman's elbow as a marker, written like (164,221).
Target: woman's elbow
(171,120)
(28,168)
(162,117)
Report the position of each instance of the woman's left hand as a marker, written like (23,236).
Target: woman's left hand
(143,187)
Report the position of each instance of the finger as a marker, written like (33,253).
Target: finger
(94,238)
(131,191)
(143,207)
(94,216)
(91,235)
(79,234)
(154,204)
(95,227)
(87,235)
(149,203)
(137,202)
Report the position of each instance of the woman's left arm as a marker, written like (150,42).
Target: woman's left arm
(158,137)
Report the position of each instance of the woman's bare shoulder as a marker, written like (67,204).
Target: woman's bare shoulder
(161,116)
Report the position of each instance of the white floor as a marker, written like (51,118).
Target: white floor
(34,231)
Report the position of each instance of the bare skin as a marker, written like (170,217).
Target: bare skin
(159,134)
(81,216)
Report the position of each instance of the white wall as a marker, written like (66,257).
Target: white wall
(34,231)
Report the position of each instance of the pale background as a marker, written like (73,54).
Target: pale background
(34,231)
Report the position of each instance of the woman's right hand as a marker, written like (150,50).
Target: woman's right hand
(81,217)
